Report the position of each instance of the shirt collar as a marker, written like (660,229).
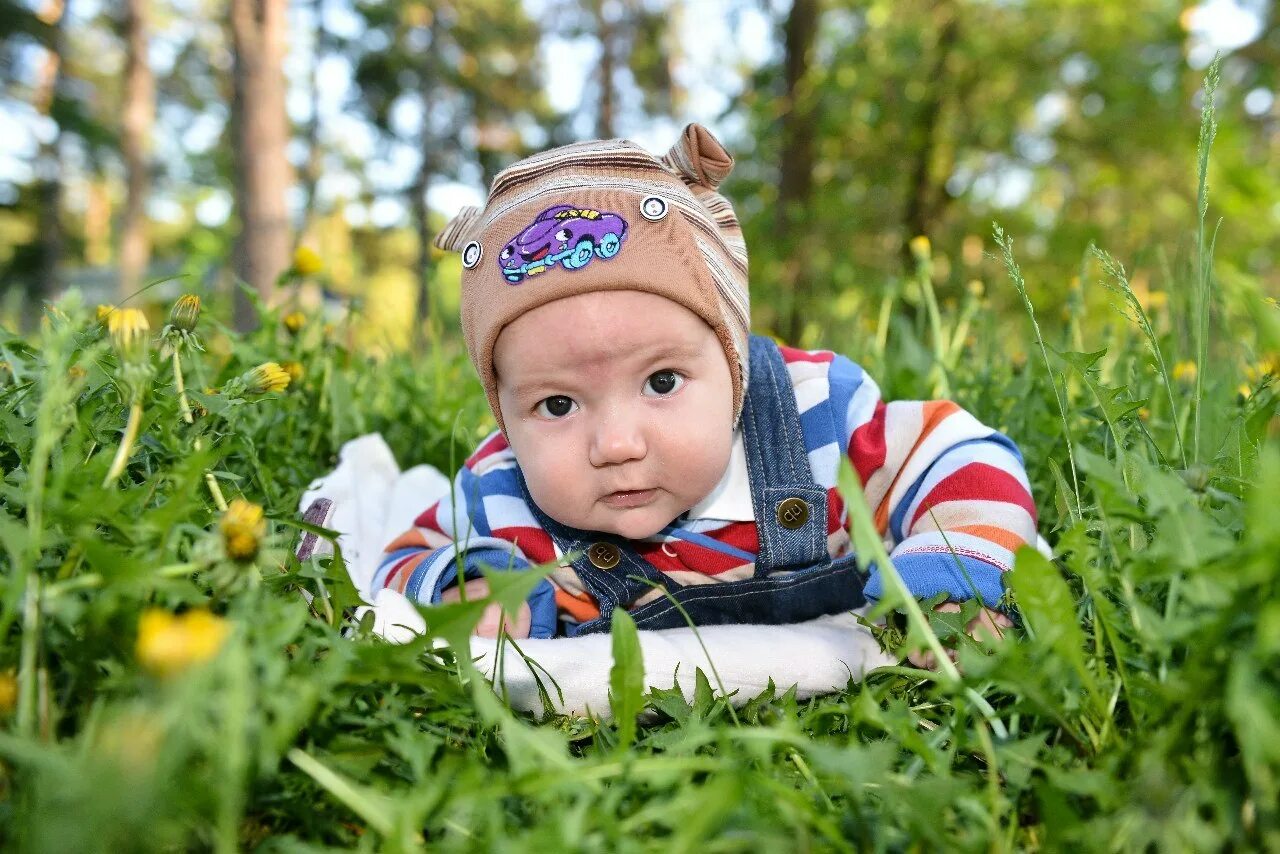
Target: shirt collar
(730,501)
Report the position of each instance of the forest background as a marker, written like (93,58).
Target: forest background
(207,140)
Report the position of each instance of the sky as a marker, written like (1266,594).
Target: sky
(745,42)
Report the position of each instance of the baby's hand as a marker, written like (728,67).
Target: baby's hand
(493,621)
(987,624)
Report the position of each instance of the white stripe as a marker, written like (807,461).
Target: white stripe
(824,462)
(507,511)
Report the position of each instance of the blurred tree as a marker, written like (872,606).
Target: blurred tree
(48,100)
(1066,122)
(261,132)
(470,73)
(135,146)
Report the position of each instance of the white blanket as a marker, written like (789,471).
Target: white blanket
(373,501)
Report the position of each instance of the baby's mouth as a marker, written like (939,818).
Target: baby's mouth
(630,498)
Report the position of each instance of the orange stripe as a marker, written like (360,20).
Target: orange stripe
(582,608)
(1000,536)
(405,572)
(411,537)
(932,413)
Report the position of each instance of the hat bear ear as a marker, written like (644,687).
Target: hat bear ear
(699,157)
(458,232)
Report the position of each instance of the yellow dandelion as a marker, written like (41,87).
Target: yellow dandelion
(185,312)
(1156,300)
(266,378)
(8,692)
(75,373)
(306,262)
(103,311)
(976,288)
(920,247)
(128,328)
(1144,413)
(294,370)
(1185,371)
(1266,366)
(294,321)
(169,644)
(242,528)
(1245,391)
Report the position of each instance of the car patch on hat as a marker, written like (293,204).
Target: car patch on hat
(567,235)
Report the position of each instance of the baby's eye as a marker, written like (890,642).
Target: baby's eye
(663,383)
(556,406)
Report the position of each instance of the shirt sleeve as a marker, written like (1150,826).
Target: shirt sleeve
(484,520)
(949,495)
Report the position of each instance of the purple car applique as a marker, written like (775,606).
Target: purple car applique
(562,234)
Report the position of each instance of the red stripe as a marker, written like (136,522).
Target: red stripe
(496,443)
(740,535)
(534,543)
(835,511)
(867,446)
(793,354)
(427,518)
(977,482)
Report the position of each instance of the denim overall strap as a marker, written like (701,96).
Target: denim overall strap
(610,587)
(778,468)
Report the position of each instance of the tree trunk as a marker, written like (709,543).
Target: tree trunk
(795,183)
(608,63)
(49,161)
(922,193)
(135,144)
(422,182)
(261,133)
(311,172)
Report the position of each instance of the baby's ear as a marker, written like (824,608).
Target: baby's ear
(458,232)
(699,157)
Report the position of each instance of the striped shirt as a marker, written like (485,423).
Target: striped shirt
(950,498)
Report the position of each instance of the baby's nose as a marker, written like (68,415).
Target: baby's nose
(617,440)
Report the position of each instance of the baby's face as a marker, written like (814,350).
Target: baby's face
(618,406)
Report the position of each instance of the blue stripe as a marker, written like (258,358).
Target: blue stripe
(473,491)
(845,378)
(818,427)
(927,574)
(501,482)
(708,542)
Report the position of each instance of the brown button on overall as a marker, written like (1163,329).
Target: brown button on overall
(793,513)
(604,555)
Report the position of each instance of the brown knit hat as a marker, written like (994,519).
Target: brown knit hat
(601,216)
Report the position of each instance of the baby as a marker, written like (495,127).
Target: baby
(672,456)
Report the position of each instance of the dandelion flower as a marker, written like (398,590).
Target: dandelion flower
(242,528)
(185,312)
(306,262)
(8,692)
(169,644)
(294,370)
(128,328)
(1185,371)
(1156,300)
(920,247)
(266,378)
(1245,391)
(976,288)
(103,311)
(294,321)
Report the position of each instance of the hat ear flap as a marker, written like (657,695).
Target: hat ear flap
(459,231)
(699,158)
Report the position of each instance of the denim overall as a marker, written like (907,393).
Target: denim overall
(795,577)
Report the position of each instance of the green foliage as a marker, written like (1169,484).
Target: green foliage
(1137,706)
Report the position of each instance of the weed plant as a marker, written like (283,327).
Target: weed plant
(164,685)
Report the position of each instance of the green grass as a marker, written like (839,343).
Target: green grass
(1139,708)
